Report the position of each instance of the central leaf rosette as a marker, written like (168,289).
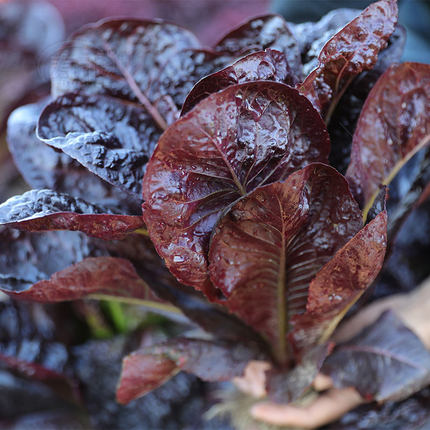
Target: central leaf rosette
(236,140)
(239,203)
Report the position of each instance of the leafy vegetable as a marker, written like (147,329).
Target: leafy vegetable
(148,368)
(387,361)
(393,122)
(353,49)
(42,210)
(269,31)
(218,152)
(268,65)
(240,202)
(347,111)
(45,167)
(270,258)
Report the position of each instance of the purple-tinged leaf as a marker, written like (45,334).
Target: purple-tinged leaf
(347,112)
(46,167)
(350,51)
(393,122)
(270,246)
(386,361)
(150,367)
(106,135)
(340,283)
(234,141)
(312,36)
(119,58)
(43,210)
(268,31)
(114,95)
(93,275)
(269,65)
(62,265)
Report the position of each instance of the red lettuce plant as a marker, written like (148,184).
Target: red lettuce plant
(232,146)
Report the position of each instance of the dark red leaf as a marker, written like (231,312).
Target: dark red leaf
(43,210)
(312,36)
(115,95)
(269,65)
(150,367)
(263,32)
(350,51)
(387,361)
(56,266)
(290,266)
(339,284)
(345,116)
(105,275)
(236,140)
(119,58)
(270,246)
(394,122)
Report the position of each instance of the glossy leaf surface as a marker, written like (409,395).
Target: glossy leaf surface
(269,65)
(110,138)
(119,58)
(268,31)
(232,142)
(387,361)
(268,248)
(111,108)
(345,116)
(46,167)
(42,210)
(394,121)
(150,367)
(312,36)
(350,51)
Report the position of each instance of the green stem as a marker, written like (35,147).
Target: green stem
(151,305)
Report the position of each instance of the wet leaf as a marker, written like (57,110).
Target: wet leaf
(312,36)
(119,58)
(43,210)
(236,140)
(110,138)
(393,122)
(150,367)
(269,65)
(270,257)
(350,51)
(345,116)
(387,361)
(46,167)
(263,32)
(111,106)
